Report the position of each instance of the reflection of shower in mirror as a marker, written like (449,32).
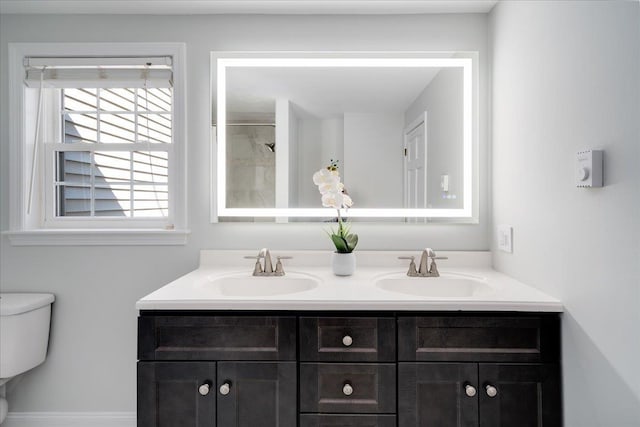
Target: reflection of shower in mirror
(252,169)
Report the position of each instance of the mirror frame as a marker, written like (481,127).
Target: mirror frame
(468,61)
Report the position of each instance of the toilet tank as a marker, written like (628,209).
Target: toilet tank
(24,331)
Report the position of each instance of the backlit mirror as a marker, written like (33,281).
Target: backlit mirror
(402,128)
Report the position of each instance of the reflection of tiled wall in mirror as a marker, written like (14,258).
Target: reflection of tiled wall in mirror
(250,166)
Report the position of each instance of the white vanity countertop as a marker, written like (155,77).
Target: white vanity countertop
(195,290)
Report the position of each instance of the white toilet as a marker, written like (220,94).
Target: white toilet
(24,336)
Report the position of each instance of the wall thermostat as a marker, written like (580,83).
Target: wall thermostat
(589,168)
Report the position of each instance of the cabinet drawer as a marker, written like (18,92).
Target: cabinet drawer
(347,339)
(324,420)
(479,339)
(324,387)
(216,338)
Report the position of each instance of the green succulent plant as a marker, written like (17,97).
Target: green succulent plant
(344,241)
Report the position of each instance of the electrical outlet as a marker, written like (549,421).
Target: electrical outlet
(505,238)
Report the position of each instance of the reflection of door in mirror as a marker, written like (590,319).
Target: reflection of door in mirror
(252,164)
(415,163)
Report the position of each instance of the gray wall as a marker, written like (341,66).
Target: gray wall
(372,170)
(566,78)
(94,322)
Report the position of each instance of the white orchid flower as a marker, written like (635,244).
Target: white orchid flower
(331,187)
(333,200)
(346,201)
(332,190)
(325,176)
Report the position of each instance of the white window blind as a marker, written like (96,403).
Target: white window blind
(109,72)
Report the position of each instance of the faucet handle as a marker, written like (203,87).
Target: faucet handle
(431,254)
(413,271)
(257,269)
(279,271)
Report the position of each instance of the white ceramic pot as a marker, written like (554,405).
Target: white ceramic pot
(343,264)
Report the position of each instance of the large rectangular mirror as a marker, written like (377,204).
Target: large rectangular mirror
(401,127)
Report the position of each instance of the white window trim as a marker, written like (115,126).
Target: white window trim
(20,233)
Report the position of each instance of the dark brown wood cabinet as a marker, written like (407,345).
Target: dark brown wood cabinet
(260,369)
(198,370)
(446,376)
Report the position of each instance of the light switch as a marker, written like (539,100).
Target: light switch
(444,182)
(505,238)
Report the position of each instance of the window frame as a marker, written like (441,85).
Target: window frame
(38,228)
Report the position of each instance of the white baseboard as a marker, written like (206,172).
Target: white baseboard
(70,419)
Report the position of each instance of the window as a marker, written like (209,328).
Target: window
(124,170)
(102,144)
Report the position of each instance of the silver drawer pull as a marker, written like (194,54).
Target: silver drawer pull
(225,389)
(470,390)
(491,390)
(347,341)
(204,389)
(347,389)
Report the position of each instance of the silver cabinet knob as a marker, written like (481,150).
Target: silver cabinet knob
(204,389)
(225,389)
(470,390)
(347,341)
(347,389)
(491,390)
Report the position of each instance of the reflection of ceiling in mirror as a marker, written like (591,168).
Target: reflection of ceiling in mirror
(325,92)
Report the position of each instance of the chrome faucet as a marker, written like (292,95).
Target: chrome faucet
(267,269)
(428,266)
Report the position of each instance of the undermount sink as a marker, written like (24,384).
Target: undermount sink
(246,285)
(448,285)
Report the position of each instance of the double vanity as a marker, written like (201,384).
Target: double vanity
(473,347)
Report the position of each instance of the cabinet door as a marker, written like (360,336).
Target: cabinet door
(435,395)
(170,394)
(524,395)
(259,394)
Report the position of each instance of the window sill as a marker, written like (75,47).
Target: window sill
(98,237)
